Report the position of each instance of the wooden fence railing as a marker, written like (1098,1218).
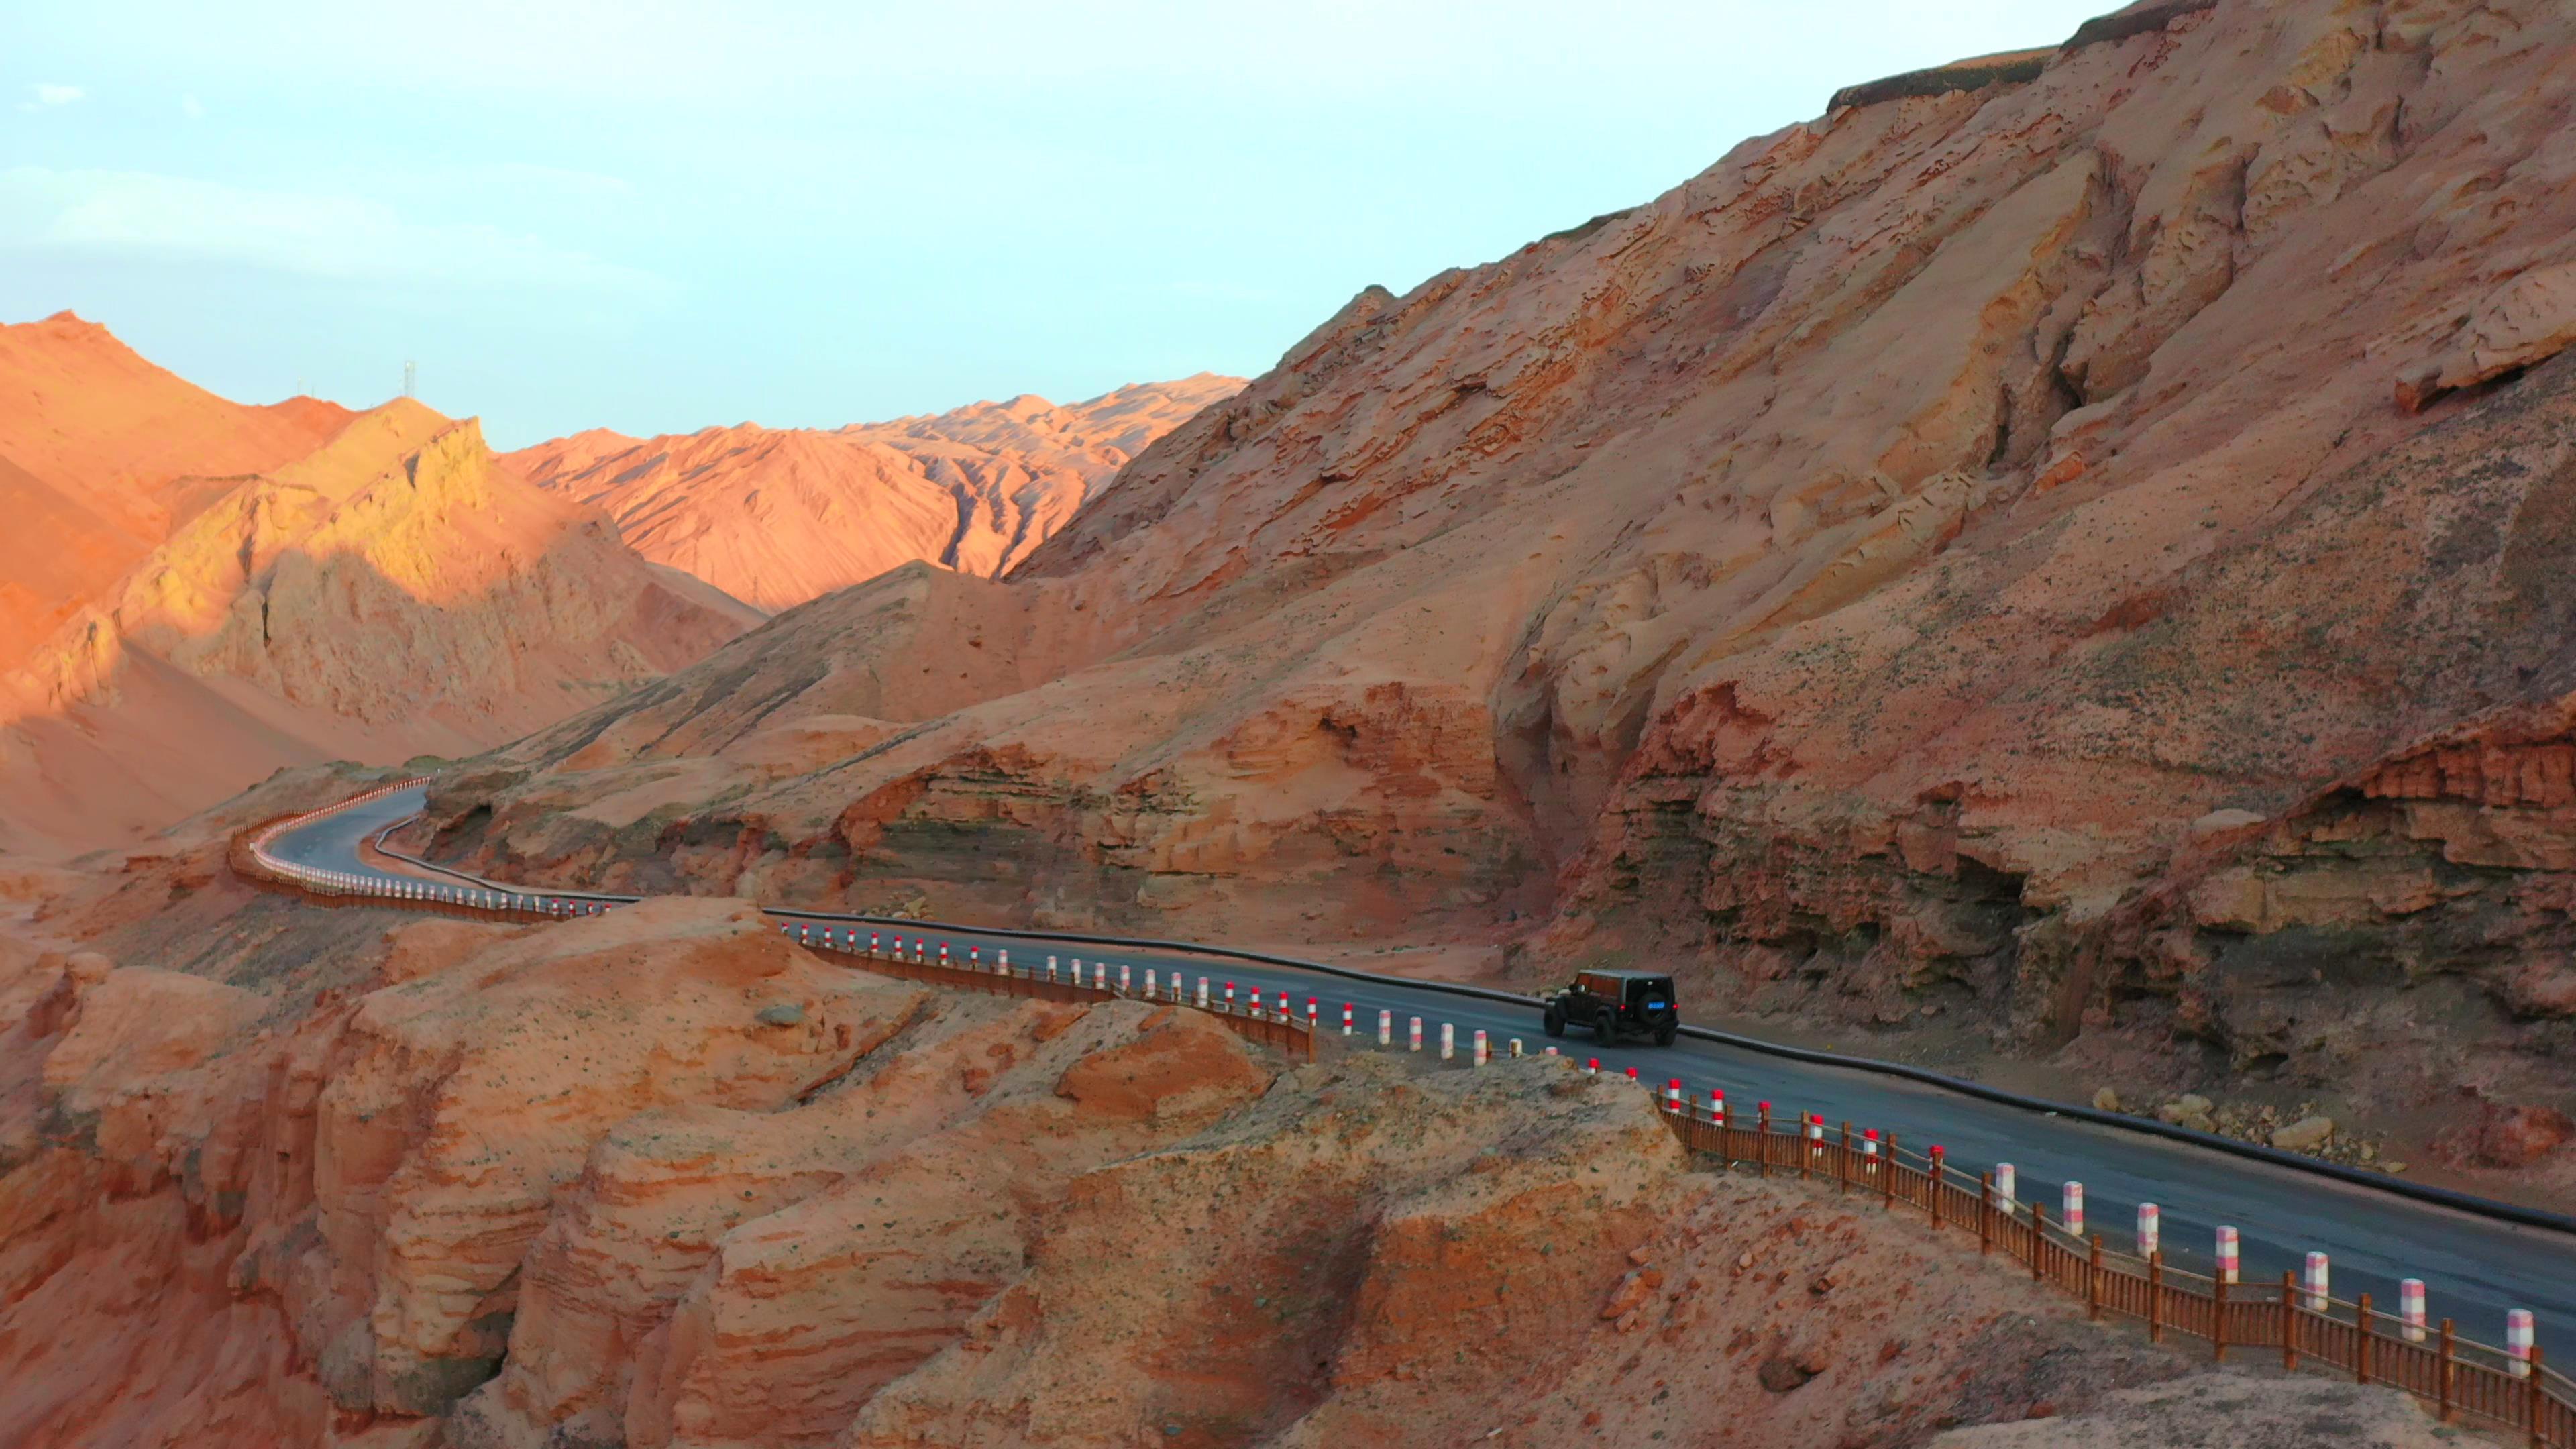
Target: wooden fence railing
(2456,1375)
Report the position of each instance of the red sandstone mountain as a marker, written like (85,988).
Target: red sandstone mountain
(2064,542)
(102,455)
(368,586)
(2067,543)
(779,516)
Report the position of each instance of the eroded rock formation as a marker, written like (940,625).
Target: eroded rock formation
(393,591)
(778,516)
(664,1178)
(1880,577)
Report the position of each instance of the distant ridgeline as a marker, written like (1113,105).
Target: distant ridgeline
(2012,67)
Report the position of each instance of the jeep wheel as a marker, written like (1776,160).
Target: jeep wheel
(1664,1035)
(1554,1022)
(1605,1027)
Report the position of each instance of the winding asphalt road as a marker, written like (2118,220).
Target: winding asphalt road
(2475,1267)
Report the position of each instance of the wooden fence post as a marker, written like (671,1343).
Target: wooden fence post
(2038,1238)
(2156,1296)
(1887,1177)
(2447,1374)
(2361,1345)
(2218,1319)
(2289,1319)
(1799,1139)
(1762,1141)
(2532,1400)
(1842,1170)
(1985,1212)
(2093,1282)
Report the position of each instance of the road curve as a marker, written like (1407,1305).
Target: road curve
(2476,1266)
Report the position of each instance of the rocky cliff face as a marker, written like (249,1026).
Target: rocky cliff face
(780,516)
(390,593)
(2017,549)
(278,1175)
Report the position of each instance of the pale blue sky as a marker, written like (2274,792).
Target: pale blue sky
(655,216)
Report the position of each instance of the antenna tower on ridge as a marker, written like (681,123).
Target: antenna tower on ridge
(411,379)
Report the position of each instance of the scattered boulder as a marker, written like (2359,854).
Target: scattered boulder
(2189,1110)
(2106,1100)
(1783,1372)
(1632,1290)
(2305,1135)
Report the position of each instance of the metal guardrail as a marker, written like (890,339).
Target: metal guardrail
(248,856)
(2458,1376)
(2490,1208)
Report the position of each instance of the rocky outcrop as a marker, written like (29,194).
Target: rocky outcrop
(103,456)
(1918,565)
(780,516)
(1942,80)
(392,593)
(664,1178)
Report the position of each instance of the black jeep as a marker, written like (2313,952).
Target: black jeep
(1611,1002)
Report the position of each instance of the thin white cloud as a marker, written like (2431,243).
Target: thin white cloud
(47,94)
(128,213)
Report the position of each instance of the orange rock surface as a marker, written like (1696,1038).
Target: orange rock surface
(276,1175)
(1880,577)
(778,516)
(392,591)
(103,455)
